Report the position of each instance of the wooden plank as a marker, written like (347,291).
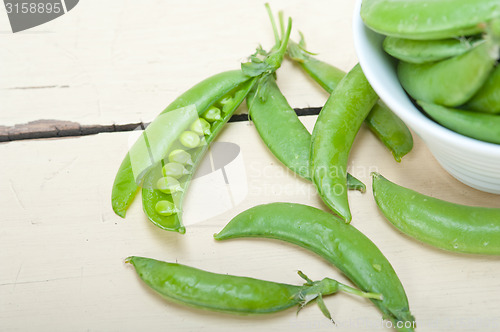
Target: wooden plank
(62,248)
(107,63)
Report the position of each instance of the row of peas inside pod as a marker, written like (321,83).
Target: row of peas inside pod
(165,184)
(447,55)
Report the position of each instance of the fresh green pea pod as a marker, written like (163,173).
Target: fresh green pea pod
(446,225)
(421,51)
(258,69)
(201,96)
(234,294)
(281,130)
(428,19)
(339,243)
(333,135)
(150,194)
(481,126)
(487,99)
(386,125)
(449,82)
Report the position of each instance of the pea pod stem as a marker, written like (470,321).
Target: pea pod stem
(386,125)
(328,236)
(442,224)
(233,294)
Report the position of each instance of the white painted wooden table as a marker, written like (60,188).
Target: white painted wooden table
(61,246)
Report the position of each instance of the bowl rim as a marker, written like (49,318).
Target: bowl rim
(415,119)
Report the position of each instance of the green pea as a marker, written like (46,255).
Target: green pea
(165,208)
(174,170)
(201,127)
(212,114)
(168,185)
(189,139)
(446,225)
(181,157)
(226,100)
(234,294)
(328,236)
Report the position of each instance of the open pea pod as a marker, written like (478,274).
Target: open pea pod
(165,157)
(423,19)
(155,195)
(200,97)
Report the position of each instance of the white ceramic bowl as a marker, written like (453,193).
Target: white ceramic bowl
(473,162)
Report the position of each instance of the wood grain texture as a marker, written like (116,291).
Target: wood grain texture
(117,63)
(62,248)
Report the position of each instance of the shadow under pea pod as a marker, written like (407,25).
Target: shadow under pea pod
(218,185)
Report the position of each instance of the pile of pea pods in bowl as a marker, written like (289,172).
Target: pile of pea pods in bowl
(462,134)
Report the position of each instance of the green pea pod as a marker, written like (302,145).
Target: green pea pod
(262,64)
(386,125)
(233,294)
(421,51)
(151,195)
(333,134)
(436,19)
(337,242)
(481,126)
(201,97)
(449,82)
(487,99)
(449,226)
(281,130)
(207,98)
